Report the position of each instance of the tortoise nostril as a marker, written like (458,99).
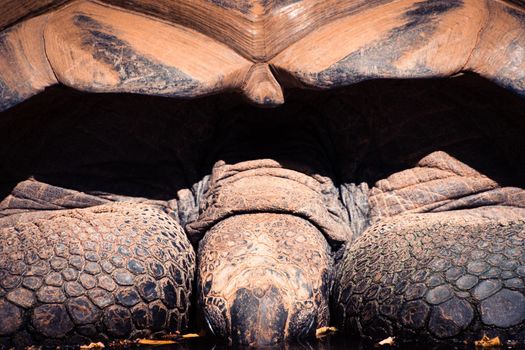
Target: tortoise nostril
(259,292)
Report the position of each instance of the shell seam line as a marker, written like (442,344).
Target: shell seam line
(44,44)
(480,33)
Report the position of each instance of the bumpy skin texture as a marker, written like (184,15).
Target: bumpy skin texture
(439,183)
(265,264)
(268,220)
(436,276)
(112,271)
(444,258)
(265,185)
(264,278)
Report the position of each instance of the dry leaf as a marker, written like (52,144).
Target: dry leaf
(487,342)
(324,331)
(387,341)
(177,336)
(190,336)
(155,342)
(92,346)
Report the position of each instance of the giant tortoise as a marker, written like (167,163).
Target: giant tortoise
(390,205)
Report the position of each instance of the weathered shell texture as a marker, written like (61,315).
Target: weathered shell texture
(255,47)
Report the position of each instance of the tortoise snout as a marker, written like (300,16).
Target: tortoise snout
(262,313)
(258,317)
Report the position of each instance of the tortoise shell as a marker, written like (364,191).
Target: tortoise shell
(198,47)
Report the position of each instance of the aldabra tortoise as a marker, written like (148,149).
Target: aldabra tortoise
(393,207)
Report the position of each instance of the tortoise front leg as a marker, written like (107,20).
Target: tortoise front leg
(111,270)
(442,261)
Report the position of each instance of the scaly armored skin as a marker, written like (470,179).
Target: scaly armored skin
(436,276)
(387,208)
(110,271)
(442,259)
